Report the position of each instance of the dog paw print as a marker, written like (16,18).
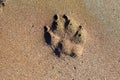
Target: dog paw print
(65,36)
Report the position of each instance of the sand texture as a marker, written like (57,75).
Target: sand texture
(88,48)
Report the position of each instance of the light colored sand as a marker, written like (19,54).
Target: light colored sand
(25,56)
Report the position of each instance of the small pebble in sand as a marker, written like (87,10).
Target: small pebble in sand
(82,62)
(59,71)
(52,67)
(89,79)
(74,67)
(32,26)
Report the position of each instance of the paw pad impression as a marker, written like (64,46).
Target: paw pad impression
(65,36)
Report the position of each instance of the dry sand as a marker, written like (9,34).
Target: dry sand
(25,56)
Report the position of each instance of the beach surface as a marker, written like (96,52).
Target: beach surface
(24,55)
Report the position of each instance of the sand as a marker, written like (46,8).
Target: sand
(24,55)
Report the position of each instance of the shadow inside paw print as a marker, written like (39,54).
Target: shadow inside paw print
(47,36)
(64,37)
